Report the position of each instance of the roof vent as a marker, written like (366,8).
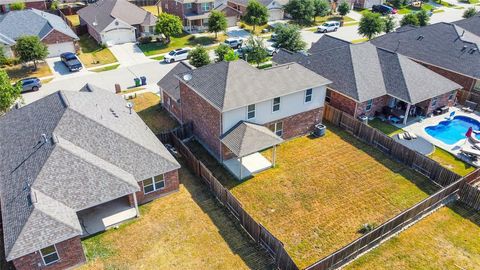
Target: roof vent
(420,37)
(187,77)
(464,48)
(472,51)
(44,138)
(463,33)
(32,198)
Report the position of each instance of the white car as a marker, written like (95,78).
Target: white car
(328,27)
(234,43)
(177,55)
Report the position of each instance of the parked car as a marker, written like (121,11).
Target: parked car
(234,43)
(177,55)
(329,26)
(384,9)
(271,50)
(30,84)
(71,61)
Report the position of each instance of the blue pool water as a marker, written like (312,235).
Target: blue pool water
(452,131)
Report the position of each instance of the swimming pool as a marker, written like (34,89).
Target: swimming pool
(452,131)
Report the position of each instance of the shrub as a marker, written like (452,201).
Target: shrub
(367,227)
(145,40)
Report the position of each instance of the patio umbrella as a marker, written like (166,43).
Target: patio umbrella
(469,132)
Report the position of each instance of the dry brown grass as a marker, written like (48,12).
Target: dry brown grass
(447,239)
(185,230)
(92,54)
(147,105)
(19,72)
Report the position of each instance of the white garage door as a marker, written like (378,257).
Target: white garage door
(232,21)
(275,14)
(59,48)
(119,36)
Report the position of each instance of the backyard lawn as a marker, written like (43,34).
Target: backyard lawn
(323,190)
(184,230)
(19,72)
(147,105)
(184,40)
(93,54)
(74,19)
(447,239)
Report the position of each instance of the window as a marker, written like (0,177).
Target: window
(369,105)
(205,22)
(251,111)
(168,100)
(452,95)
(434,102)
(276,104)
(188,5)
(153,184)
(477,85)
(308,95)
(277,128)
(49,255)
(205,6)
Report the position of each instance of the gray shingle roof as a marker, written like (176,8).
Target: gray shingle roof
(440,44)
(247,138)
(95,151)
(231,85)
(32,22)
(169,83)
(105,12)
(364,72)
(245,2)
(471,24)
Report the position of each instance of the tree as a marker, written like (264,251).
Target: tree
(422,17)
(217,22)
(221,51)
(322,8)
(344,8)
(231,56)
(54,5)
(3,57)
(410,19)
(169,25)
(255,14)
(371,24)
(199,57)
(301,11)
(8,93)
(469,12)
(30,48)
(17,6)
(389,24)
(256,51)
(289,37)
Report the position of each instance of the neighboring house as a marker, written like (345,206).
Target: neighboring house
(471,24)
(51,30)
(232,15)
(234,97)
(74,164)
(445,48)
(7,43)
(368,80)
(117,21)
(37,4)
(366,4)
(275,7)
(194,13)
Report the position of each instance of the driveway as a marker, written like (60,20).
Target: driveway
(59,69)
(129,54)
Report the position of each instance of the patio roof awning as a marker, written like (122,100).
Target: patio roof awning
(247,138)
(194,16)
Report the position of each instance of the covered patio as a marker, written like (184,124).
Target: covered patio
(244,141)
(196,22)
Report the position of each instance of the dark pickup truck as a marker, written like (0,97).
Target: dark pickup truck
(71,61)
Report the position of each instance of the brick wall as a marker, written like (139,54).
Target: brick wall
(37,5)
(205,118)
(240,8)
(173,7)
(172,183)
(174,108)
(466,82)
(69,251)
(300,124)
(342,102)
(377,105)
(442,101)
(56,37)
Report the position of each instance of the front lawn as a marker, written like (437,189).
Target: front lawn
(184,40)
(447,239)
(410,9)
(148,107)
(184,230)
(92,54)
(320,20)
(19,71)
(107,68)
(322,190)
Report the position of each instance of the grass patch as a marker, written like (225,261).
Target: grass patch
(185,230)
(153,9)
(322,190)
(92,54)
(320,20)
(184,40)
(384,127)
(438,10)
(159,58)
(447,239)
(444,3)
(133,90)
(46,81)
(360,40)
(249,28)
(410,9)
(74,19)
(451,162)
(264,66)
(112,67)
(148,107)
(19,71)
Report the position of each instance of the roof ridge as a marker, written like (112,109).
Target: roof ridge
(227,80)
(353,69)
(400,59)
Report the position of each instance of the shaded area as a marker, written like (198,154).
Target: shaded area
(19,71)
(183,40)
(148,107)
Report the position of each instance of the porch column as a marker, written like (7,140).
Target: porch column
(241,167)
(274,155)
(406,114)
(136,204)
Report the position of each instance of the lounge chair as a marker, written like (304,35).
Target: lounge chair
(473,139)
(471,153)
(412,135)
(450,117)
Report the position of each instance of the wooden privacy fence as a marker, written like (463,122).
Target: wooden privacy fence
(254,229)
(389,146)
(470,195)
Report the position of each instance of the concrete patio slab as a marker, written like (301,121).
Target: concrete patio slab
(250,165)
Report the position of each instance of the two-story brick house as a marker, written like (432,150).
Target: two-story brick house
(194,13)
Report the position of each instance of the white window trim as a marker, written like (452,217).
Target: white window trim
(153,184)
(254,111)
(279,104)
(43,256)
(205,6)
(276,128)
(369,103)
(188,5)
(307,95)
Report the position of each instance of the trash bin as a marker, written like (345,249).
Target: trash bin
(137,82)
(363,118)
(320,130)
(144,80)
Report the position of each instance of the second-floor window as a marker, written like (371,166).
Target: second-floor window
(251,111)
(369,105)
(308,95)
(188,5)
(276,104)
(205,6)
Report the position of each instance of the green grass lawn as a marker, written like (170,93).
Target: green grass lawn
(443,3)
(112,67)
(410,9)
(447,239)
(184,230)
(384,127)
(360,40)
(322,190)
(184,40)
(93,54)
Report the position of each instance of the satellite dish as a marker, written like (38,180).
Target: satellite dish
(187,77)
(129,105)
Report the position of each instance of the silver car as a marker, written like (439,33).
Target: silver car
(30,84)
